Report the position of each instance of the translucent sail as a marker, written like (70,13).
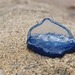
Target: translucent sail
(49,27)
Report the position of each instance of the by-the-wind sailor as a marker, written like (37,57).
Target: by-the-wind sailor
(50,38)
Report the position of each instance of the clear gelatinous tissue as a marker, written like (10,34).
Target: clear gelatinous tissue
(50,38)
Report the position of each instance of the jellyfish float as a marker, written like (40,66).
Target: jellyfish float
(49,38)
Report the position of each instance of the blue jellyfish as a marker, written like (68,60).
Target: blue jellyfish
(49,38)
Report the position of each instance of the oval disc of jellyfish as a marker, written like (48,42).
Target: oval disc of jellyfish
(50,38)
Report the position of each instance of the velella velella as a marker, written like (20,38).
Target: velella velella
(49,38)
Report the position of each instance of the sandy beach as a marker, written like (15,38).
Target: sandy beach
(16,18)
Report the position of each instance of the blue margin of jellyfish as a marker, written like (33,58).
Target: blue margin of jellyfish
(72,48)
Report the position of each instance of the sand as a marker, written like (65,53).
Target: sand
(16,18)
(62,3)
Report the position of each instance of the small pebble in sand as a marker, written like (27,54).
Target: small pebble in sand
(72,7)
(2,71)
